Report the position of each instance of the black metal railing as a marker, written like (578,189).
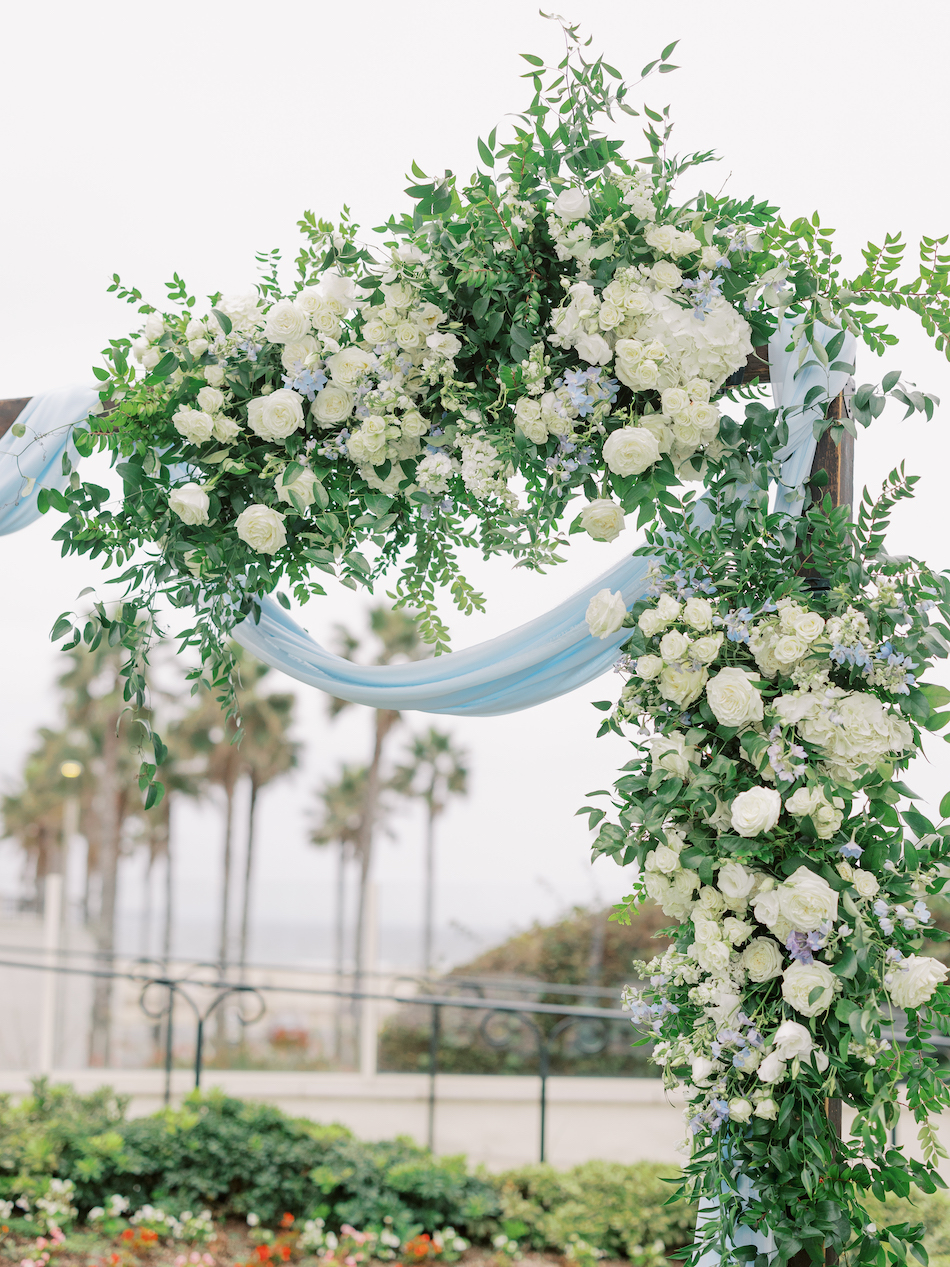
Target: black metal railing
(501,1022)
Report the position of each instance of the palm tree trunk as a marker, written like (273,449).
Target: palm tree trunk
(169,897)
(145,932)
(338,946)
(429,892)
(386,718)
(220,1028)
(245,911)
(108,821)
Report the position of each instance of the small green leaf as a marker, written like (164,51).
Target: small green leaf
(224,321)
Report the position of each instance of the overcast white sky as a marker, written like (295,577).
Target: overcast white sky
(144,139)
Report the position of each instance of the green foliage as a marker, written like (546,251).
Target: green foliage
(616,1208)
(235,1157)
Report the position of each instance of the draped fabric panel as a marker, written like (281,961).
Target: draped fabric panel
(535,662)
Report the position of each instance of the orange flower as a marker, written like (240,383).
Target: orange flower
(285,1252)
(263,1253)
(286,1220)
(128,1234)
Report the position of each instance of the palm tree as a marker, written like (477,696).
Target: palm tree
(435,770)
(398,640)
(267,753)
(341,816)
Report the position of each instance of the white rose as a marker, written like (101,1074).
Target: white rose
(685,244)
(301,486)
(408,335)
(789,649)
(736,930)
(286,322)
(331,405)
(348,366)
(214,374)
(705,650)
(767,1109)
(210,400)
(707,931)
(701,1069)
(756,811)
(914,982)
(762,959)
(261,528)
(341,289)
(603,519)
(631,450)
(680,685)
(740,1109)
(528,418)
(765,907)
(571,204)
(662,859)
(593,348)
(698,614)
(733,699)
(803,801)
(798,981)
(807,900)
(772,1068)
(675,401)
(226,430)
(190,503)
(792,1039)
(413,424)
(195,425)
(276,416)
(445,344)
(154,326)
(667,608)
(672,753)
(674,646)
(605,613)
(666,275)
(648,667)
(735,882)
(710,902)
(661,237)
(808,625)
(299,352)
(865,883)
(714,957)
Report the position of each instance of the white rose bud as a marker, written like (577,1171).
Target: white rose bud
(865,883)
(603,519)
(348,366)
(733,699)
(740,1109)
(571,204)
(736,930)
(762,959)
(226,430)
(299,352)
(214,375)
(675,401)
(791,1040)
(735,882)
(631,450)
(766,1109)
(593,348)
(605,613)
(701,1069)
(190,503)
(261,528)
(772,1068)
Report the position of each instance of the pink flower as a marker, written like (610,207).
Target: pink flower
(181,1260)
(206,1258)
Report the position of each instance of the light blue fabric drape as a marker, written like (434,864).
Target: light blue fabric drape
(37,455)
(547,657)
